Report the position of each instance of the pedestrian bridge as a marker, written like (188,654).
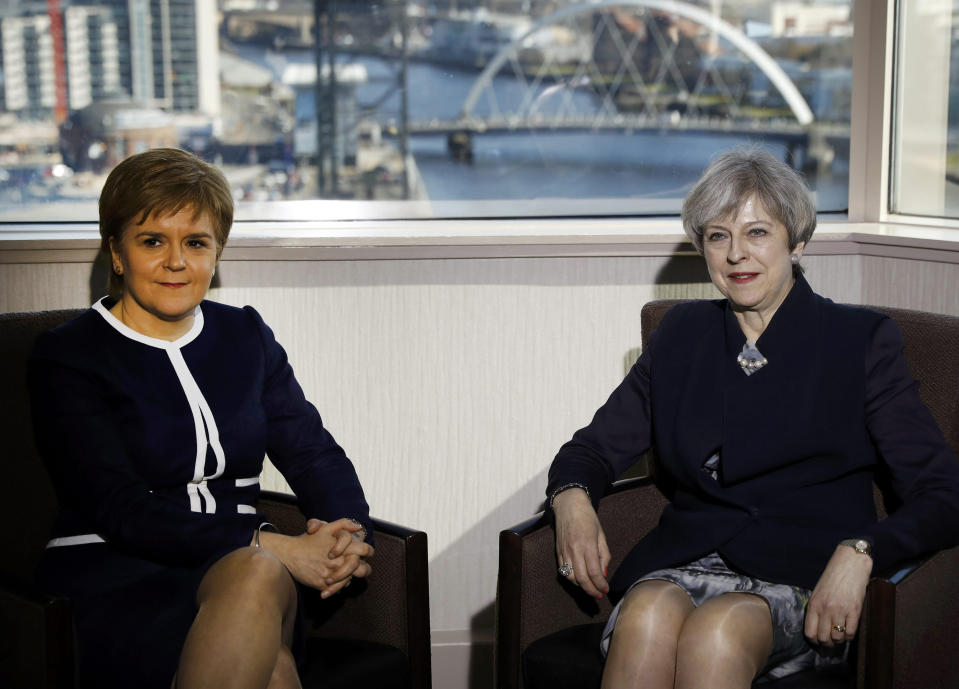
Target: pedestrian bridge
(643,64)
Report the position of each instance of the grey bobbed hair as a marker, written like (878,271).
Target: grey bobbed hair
(733,178)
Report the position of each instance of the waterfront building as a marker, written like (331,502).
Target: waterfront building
(29,82)
(803,19)
(170,50)
(161,53)
(92,55)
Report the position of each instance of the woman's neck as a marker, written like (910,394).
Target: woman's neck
(135,317)
(753,322)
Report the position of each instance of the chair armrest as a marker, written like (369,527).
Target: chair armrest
(389,607)
(36,637)
(533,601)
(908,636)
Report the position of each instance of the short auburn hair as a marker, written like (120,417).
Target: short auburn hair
(161,182)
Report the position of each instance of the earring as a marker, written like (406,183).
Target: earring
(794,259)
(118,269)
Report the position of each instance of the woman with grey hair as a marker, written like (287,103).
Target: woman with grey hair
(770,411)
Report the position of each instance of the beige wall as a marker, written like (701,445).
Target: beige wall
(452,382)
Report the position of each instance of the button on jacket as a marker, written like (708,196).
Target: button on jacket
(800,441)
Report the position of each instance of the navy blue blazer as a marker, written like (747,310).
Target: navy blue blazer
(155,447)
(800,441)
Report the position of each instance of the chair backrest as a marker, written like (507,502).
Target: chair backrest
(931,350)
(28,507)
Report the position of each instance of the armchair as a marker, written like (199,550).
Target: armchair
(547,631)
(373,634)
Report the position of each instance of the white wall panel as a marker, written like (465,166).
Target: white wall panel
(908,284)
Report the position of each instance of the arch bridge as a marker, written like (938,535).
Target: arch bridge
(634,65)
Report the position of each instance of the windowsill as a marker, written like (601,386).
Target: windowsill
(484,238)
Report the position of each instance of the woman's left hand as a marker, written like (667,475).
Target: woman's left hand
(838,597)
(347,550)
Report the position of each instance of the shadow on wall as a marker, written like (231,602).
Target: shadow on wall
(477,541)
(521,505)
(99,278)
(684,277)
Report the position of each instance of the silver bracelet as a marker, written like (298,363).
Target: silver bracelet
(256,539)
(567,487)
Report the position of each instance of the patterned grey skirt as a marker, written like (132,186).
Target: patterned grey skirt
(710,576)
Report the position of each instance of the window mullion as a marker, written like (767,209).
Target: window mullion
(870,119)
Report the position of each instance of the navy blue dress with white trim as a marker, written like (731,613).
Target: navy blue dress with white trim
(155,449)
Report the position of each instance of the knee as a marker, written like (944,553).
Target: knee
(654,608)
(727,636)
(706,633)
(249,574)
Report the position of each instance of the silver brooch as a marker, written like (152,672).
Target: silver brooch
(751,359)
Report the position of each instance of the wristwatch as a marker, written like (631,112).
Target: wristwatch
(861,546)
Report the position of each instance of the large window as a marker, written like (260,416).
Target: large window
(433,107)
(925,169)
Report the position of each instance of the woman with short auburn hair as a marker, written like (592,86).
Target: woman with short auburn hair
(162,181)
(153,412)
(770,412)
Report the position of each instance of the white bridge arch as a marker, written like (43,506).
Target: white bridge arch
(750,48)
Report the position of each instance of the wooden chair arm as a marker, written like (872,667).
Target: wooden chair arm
(908,635)
(532,600)
(390,607)
(36,637)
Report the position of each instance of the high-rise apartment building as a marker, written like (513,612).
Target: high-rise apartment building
(171,52)
(159,53)
(92,55)
(27,53)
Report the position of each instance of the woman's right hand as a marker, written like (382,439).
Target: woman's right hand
(580,541)
(326,557)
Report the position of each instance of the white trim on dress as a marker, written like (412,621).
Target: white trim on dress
(83,539)
(204,424)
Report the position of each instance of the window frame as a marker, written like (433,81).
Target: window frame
(420,233)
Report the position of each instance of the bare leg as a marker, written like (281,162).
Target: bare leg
(642,651)
(244,626)
(284,672)
(724,643)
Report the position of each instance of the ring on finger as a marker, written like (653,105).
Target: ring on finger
(565,570)
(839,628)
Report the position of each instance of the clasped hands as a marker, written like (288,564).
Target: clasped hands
(327,556)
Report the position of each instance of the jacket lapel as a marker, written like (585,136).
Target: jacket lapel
(763,414)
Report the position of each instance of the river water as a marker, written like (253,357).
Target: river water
(655,167)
